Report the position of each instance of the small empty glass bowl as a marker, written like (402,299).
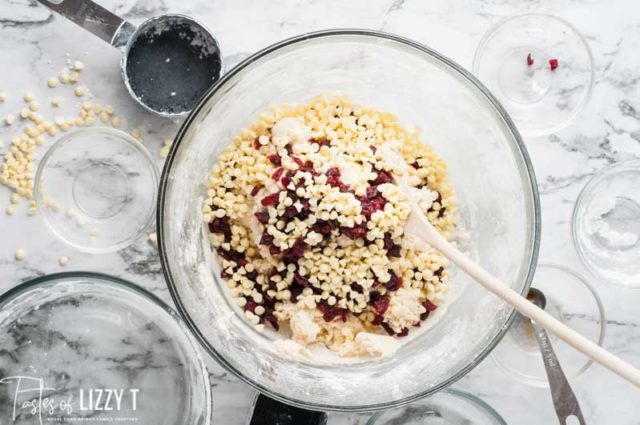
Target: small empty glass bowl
(570,299)
(513,60)
(97,189)
(606,224)
(102,350)
(449,407)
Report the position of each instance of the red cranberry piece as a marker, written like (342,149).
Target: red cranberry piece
(290,212)
(529,60)
(377,321)
(270,318)
(252,275)
(277,174)
(274,250)
(270,199)
(242,262)
(333,171)
(381,305)
(354,232)
(372,192)
(262,216)
(438,272)
(388,241)
(394,283)
(256,144)
(357,287)
(387,328)
(256,189)
(286,180)
(250,306)
(298,161)
(322,142)
(383,177)
(221,225)
(224,275)
(404,332)
(394,251)
(275,159)
(373,148)
(266,239)
(553,64)
(429,305)
(301,280)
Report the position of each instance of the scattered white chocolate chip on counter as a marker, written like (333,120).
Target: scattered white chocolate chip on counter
(116,122)
(20,254)
(56,101)
(3,96)
(28,97)
(80,91)
(9,119)
(78,66)
(10,210)
(52,82)
(63,261)
(136,134)
(153,239)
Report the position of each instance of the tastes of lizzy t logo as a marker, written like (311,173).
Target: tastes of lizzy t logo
(33,398)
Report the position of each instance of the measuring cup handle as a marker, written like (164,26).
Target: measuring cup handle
(95,19)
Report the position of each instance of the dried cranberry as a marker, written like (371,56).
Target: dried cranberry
(377,320)
(354,232)
(381,305)
(372,192)
(277,174)
(270,318)
(404,332)
(373,148)
(333,171)
(221,225)
(290,212)
(553,64)
(369,206)
(441,212)
(256,189)
(529,60)
(429,305)
(298,161)
(274,250)
(388,241)
(275,159)
(266,239)
(383,177)
(301,280)
(256,144)
(253,275)
(242,262)
(438,272)
(250,306)
(270,199)
(224,275)
(394,282)
(357,287)
(286,180)
(387,328)
(262,216)
(295,290)
(394,251)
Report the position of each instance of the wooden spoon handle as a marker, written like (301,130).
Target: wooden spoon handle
(541,317)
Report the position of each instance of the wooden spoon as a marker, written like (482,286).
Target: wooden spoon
(421,227)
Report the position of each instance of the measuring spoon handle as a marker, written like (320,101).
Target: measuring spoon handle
(95,19)
(564,400)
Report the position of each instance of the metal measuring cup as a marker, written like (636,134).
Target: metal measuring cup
(167,62)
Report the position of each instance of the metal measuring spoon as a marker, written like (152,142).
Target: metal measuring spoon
(167,62)
(564,400)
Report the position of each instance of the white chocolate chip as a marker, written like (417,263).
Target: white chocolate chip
(63,261)
(20,254)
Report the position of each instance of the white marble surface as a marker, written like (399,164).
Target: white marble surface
(33,43)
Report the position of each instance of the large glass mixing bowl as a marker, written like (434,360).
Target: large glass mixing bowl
(488,164)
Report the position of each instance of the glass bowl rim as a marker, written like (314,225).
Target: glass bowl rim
(477,57)
(579,208)
(364,33)
(123,137)
(113,281)
(455,393)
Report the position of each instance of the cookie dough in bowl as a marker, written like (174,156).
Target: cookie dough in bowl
(471,175)
(309,227)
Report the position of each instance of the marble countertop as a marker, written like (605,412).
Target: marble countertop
(34,44)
